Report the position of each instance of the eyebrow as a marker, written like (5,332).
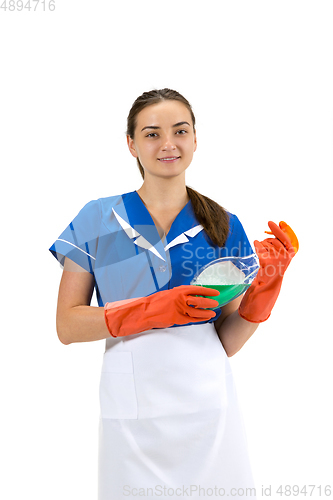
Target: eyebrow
(175,125)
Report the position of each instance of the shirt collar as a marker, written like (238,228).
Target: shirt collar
(136,221)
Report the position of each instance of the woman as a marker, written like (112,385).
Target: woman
(170,422)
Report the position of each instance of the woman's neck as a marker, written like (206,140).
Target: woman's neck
(162,194)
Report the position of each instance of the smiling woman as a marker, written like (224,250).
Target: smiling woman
(169,410)
(173,143)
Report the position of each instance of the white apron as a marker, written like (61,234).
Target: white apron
(170,423)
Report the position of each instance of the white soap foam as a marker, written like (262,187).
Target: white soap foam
(221,273)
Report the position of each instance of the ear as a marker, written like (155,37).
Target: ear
(131,146)
(195,141)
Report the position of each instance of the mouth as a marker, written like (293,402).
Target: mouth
(169,159)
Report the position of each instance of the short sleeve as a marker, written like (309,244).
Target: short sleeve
(78,241)
(237,243)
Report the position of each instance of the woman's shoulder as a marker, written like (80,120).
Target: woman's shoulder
(103,205)
(233,220)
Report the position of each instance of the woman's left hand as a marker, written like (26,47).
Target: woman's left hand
(275,255)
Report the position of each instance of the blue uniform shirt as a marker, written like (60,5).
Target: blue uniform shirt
(115,239)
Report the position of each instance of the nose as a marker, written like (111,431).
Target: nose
(168,144)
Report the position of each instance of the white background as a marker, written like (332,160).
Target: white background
(259,77)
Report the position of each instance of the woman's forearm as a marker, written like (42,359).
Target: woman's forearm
(234,332)
(87,324)
(82,324)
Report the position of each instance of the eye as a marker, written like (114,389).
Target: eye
(151,134)
(184,131)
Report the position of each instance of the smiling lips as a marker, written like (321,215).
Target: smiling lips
(169,159)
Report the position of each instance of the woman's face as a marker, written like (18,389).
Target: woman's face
(164,130)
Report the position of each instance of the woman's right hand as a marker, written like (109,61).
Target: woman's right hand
(179,306)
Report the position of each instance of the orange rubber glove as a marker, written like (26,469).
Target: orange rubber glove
(160,310)
(275,255)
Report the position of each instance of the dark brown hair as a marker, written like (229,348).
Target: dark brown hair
(210,214)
